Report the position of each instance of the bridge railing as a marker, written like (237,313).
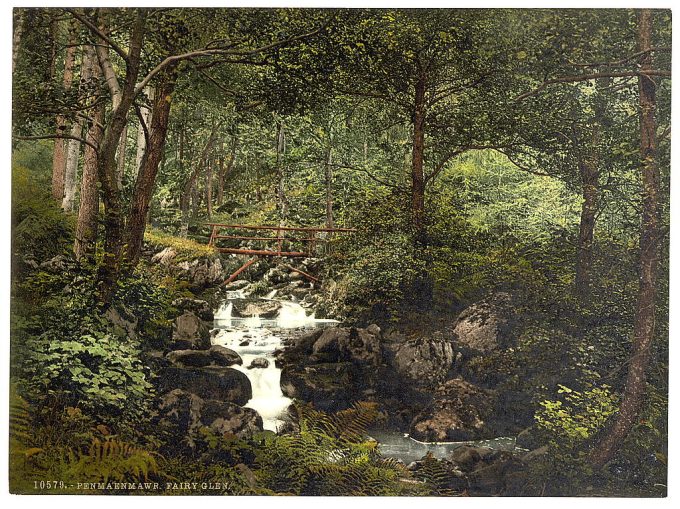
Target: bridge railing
(290,241)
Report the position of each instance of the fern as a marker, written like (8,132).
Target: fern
(437,476)
(111,460)
(21,443)
(19,417)
(329,455)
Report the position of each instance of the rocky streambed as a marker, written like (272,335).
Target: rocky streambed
(236,366)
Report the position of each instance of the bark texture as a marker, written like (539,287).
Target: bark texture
(59,154)
(417,164)
(106,163)
(146,177)
(650,237)
(86,227)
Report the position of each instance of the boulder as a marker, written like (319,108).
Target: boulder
(457,413)
(155,359)
(305,342)
(259,362)
(165,257)
(499,474)
(256,307)
(123,321)
(239,284)
(227,418)
(198,307)
(57,264)
(328,385)
(467,457)
(189,331)
(340,344)
(223,356)
(180,411)
(220,383)
(276,276)
(528,439)
(194,358)
(486,325)
(373,329)
(203,272)
(186,413)
(423,361)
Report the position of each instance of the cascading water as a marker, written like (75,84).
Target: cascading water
(253,338)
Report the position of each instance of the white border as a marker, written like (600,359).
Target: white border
(297,502)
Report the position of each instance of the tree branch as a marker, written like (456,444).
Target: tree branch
(521,166)
(593,76)
(57,137)
(98,32)
(206,52)
(622,61)
(438,169)
(370,175)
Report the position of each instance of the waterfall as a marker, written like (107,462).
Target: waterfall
(224,311)
(254,337)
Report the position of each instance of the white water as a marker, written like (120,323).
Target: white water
(400,445)
(263,338)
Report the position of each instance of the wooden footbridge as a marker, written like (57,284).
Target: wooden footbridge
(272,241)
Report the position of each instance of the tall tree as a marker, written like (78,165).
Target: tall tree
(650,246)
(86,227)
(150,163)
(60,144)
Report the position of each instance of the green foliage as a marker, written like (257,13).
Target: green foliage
(577,416)
(568,424)
(40,230)
(109,460)
(436,476)
(94,369)
(186,249)
(328,455)
(65,349)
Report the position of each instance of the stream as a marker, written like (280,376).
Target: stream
(254,338)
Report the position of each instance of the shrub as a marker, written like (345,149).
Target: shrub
(40,230)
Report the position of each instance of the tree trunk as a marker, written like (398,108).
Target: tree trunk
(224,170)
(73,152)
(590,188)
(195,196)
(86,228)
(109,269)
(183,201)
(141,138)
(584,255)
(219,199)
(120,157)
(417,165)
(281,188)
(71,173)
(650,243)
(59,155)
(16,39)
(189,195)
(208,186)
(328,174)
(146,177)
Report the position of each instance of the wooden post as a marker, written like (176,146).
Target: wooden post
(240,269)
(308,276)
(211,242)
(280,241)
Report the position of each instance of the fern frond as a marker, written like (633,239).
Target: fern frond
(111,459)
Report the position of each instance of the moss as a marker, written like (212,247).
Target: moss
(186,249)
